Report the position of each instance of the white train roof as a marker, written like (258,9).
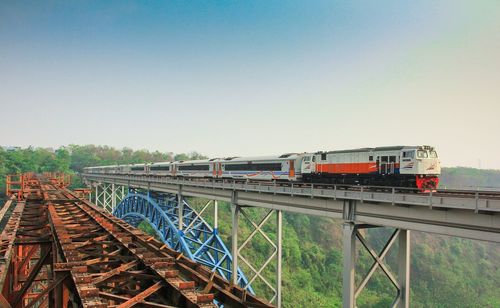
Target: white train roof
(201,161)
(287,156)
(162,163)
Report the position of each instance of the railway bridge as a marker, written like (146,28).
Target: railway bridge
(162,202)
(58,249)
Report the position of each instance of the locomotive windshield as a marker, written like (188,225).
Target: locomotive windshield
(433,154)
(422,154)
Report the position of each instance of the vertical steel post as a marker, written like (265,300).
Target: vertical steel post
(113,197)
(348,283)
(105,188)
(279,230)
(180,204)
(96,193)
(404,268)
(235,213)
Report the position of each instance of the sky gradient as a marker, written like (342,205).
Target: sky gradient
(240,78)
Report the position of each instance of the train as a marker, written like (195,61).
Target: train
(396,166)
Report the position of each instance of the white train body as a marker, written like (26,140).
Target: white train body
(285,167)
(402,166)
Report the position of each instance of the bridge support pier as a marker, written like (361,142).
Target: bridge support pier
(401,283)
(236,249)
(235,217)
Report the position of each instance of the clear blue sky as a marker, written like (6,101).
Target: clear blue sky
(253,77)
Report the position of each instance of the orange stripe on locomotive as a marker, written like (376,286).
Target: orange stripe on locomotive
(346,168)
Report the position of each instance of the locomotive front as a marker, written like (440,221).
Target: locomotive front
(423,162)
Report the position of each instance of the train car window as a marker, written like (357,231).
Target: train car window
(370,158)
(137,168)
(323,156)
(422,154)
(268,167)
(254,167)
(384,159)
(160,168)
(314,159)
(195,167)
(392,159)
(433,154)
(236,167)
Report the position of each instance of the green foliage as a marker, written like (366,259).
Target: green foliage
(148,229)
(33,160)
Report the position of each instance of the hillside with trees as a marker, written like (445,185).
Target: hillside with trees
(446,271)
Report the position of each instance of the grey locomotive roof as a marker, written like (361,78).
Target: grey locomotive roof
(390,148)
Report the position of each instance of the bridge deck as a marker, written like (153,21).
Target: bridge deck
(467,214)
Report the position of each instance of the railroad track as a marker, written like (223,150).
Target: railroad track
(81,255)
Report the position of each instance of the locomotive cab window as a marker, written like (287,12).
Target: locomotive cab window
(323,156)
(409,154)
(433,154)
(370,158)
(422,154)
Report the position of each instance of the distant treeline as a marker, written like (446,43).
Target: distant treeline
(462,177)
(73,158)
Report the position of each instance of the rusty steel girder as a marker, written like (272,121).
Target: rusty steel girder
(58,250)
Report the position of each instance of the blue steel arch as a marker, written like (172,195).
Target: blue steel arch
(200,243)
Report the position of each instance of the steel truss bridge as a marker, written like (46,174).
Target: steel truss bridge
(59,250)
(161,200)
